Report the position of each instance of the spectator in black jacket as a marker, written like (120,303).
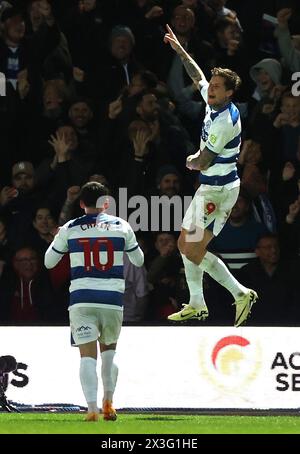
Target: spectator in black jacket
(277,283)
(169,66)
(58,62)
(18,202)
(111,74)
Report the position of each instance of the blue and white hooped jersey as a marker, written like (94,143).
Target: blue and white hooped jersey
(96,245)
(221,134)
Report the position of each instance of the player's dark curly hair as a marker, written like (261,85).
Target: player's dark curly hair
(91,192)
(232,80)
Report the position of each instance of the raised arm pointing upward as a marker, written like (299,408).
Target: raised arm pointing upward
(193,70)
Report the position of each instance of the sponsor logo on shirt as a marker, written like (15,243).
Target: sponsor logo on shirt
(212,138)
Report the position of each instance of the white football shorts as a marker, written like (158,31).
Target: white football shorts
(89,324)
(210,209)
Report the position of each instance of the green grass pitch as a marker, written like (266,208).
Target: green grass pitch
(65,423)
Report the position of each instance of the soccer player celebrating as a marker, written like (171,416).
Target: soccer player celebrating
(218,192)
(96,243)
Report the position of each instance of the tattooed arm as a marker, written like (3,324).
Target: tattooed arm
(202,160)
(193,70)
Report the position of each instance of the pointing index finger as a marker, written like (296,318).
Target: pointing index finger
(169,29)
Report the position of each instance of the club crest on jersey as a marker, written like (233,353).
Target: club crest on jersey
(209,208)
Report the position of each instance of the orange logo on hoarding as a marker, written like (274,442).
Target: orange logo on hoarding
(231,363)
(232,354)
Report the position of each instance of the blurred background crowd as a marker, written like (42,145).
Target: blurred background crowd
(94,94)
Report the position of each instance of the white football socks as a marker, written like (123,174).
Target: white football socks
(109,373)
(214,266)
(194,279)
(89,382)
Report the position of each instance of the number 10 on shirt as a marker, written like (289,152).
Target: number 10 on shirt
(93,250)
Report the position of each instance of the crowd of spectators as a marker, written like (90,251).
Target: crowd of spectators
(94,94)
